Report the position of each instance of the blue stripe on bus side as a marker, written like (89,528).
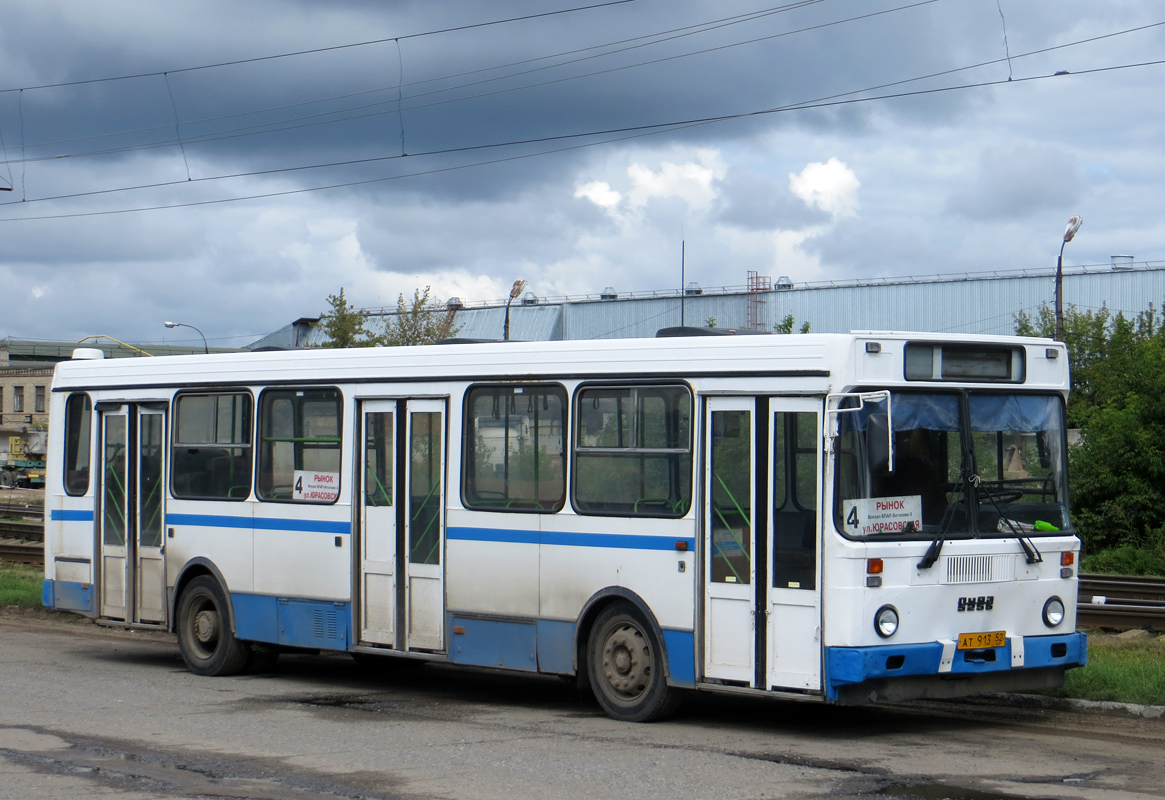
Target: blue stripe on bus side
(258,523)
(626,541)
(69,515)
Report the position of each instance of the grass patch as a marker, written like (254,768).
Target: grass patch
(1127,560)
(1123,670)
(20,585)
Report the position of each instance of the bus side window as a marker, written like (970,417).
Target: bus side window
(211,451)
(514,448)
(78,417)
(299,445)
(633,451)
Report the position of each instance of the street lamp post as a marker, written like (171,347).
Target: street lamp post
(205,347)
(1073,226)
(514,292)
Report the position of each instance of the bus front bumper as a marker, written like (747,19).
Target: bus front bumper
(939,670)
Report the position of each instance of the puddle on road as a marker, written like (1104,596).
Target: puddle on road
(130,767)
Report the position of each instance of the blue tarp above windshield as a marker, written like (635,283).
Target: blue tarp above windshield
(1021,413)
(940,412)
(935,412)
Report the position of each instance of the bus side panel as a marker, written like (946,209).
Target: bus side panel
(494,643)
(219,532)
(492,563)
(68,530)
(584,555)
(315,563)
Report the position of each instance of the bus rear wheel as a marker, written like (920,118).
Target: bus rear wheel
(205,639)
(625,665)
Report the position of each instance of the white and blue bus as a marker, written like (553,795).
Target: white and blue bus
(848,518)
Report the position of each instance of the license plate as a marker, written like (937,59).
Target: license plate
(978,641)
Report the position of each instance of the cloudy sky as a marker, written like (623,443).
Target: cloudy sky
(231,164)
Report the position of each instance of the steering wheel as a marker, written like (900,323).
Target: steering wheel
(1001,494)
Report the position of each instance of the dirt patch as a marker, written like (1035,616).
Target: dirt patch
(48,620)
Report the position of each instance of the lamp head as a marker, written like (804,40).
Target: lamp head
(170,324)
(1073,226)
(517,290)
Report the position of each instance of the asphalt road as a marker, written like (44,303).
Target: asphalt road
(93,712)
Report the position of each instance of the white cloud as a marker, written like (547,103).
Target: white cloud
(693,182)
(600,193)
(832,187)
(690,181)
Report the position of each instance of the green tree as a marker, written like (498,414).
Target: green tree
(1117,471)
(420,321)
(787,324)
(345,325)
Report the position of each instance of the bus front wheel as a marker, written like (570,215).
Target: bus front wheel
(205,639)
(625,665)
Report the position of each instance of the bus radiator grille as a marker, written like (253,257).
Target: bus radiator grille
(980,569)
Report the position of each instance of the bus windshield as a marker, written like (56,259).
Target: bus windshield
(963,464)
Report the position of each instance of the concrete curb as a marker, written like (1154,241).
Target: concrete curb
(1071,704)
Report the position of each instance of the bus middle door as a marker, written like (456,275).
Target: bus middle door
(402,546)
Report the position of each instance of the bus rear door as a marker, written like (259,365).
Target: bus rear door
(132,511)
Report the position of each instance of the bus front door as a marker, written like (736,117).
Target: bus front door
(402,525)
(132,512)
(793,607)
(761,598)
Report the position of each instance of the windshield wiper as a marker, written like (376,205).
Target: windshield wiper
(932,554)
(936,546)
(1029,548)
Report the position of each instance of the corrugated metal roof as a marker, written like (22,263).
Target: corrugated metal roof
(984,303)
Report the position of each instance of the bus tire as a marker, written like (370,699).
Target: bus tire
(625,665)
(205,639)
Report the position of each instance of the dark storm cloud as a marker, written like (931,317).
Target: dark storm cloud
(1017,182)
(960,180)
(221,110)
(758,202)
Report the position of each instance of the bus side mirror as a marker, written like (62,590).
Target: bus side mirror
(879,445)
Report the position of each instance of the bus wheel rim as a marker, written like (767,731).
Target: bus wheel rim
(627,661)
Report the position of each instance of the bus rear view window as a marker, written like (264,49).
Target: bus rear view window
(299,445)
(633,451)
(78,413)
(212,446)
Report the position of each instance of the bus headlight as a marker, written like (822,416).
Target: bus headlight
(886,621)
(1053,612)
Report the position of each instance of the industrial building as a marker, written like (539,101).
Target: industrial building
(982,302)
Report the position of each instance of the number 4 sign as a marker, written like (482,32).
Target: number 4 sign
(871,515)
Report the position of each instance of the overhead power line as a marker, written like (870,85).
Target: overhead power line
(658,37)
(813,103)
(616,135)
(312,51)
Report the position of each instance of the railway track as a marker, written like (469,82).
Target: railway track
(22,542)
(32,513)
(1121,601)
